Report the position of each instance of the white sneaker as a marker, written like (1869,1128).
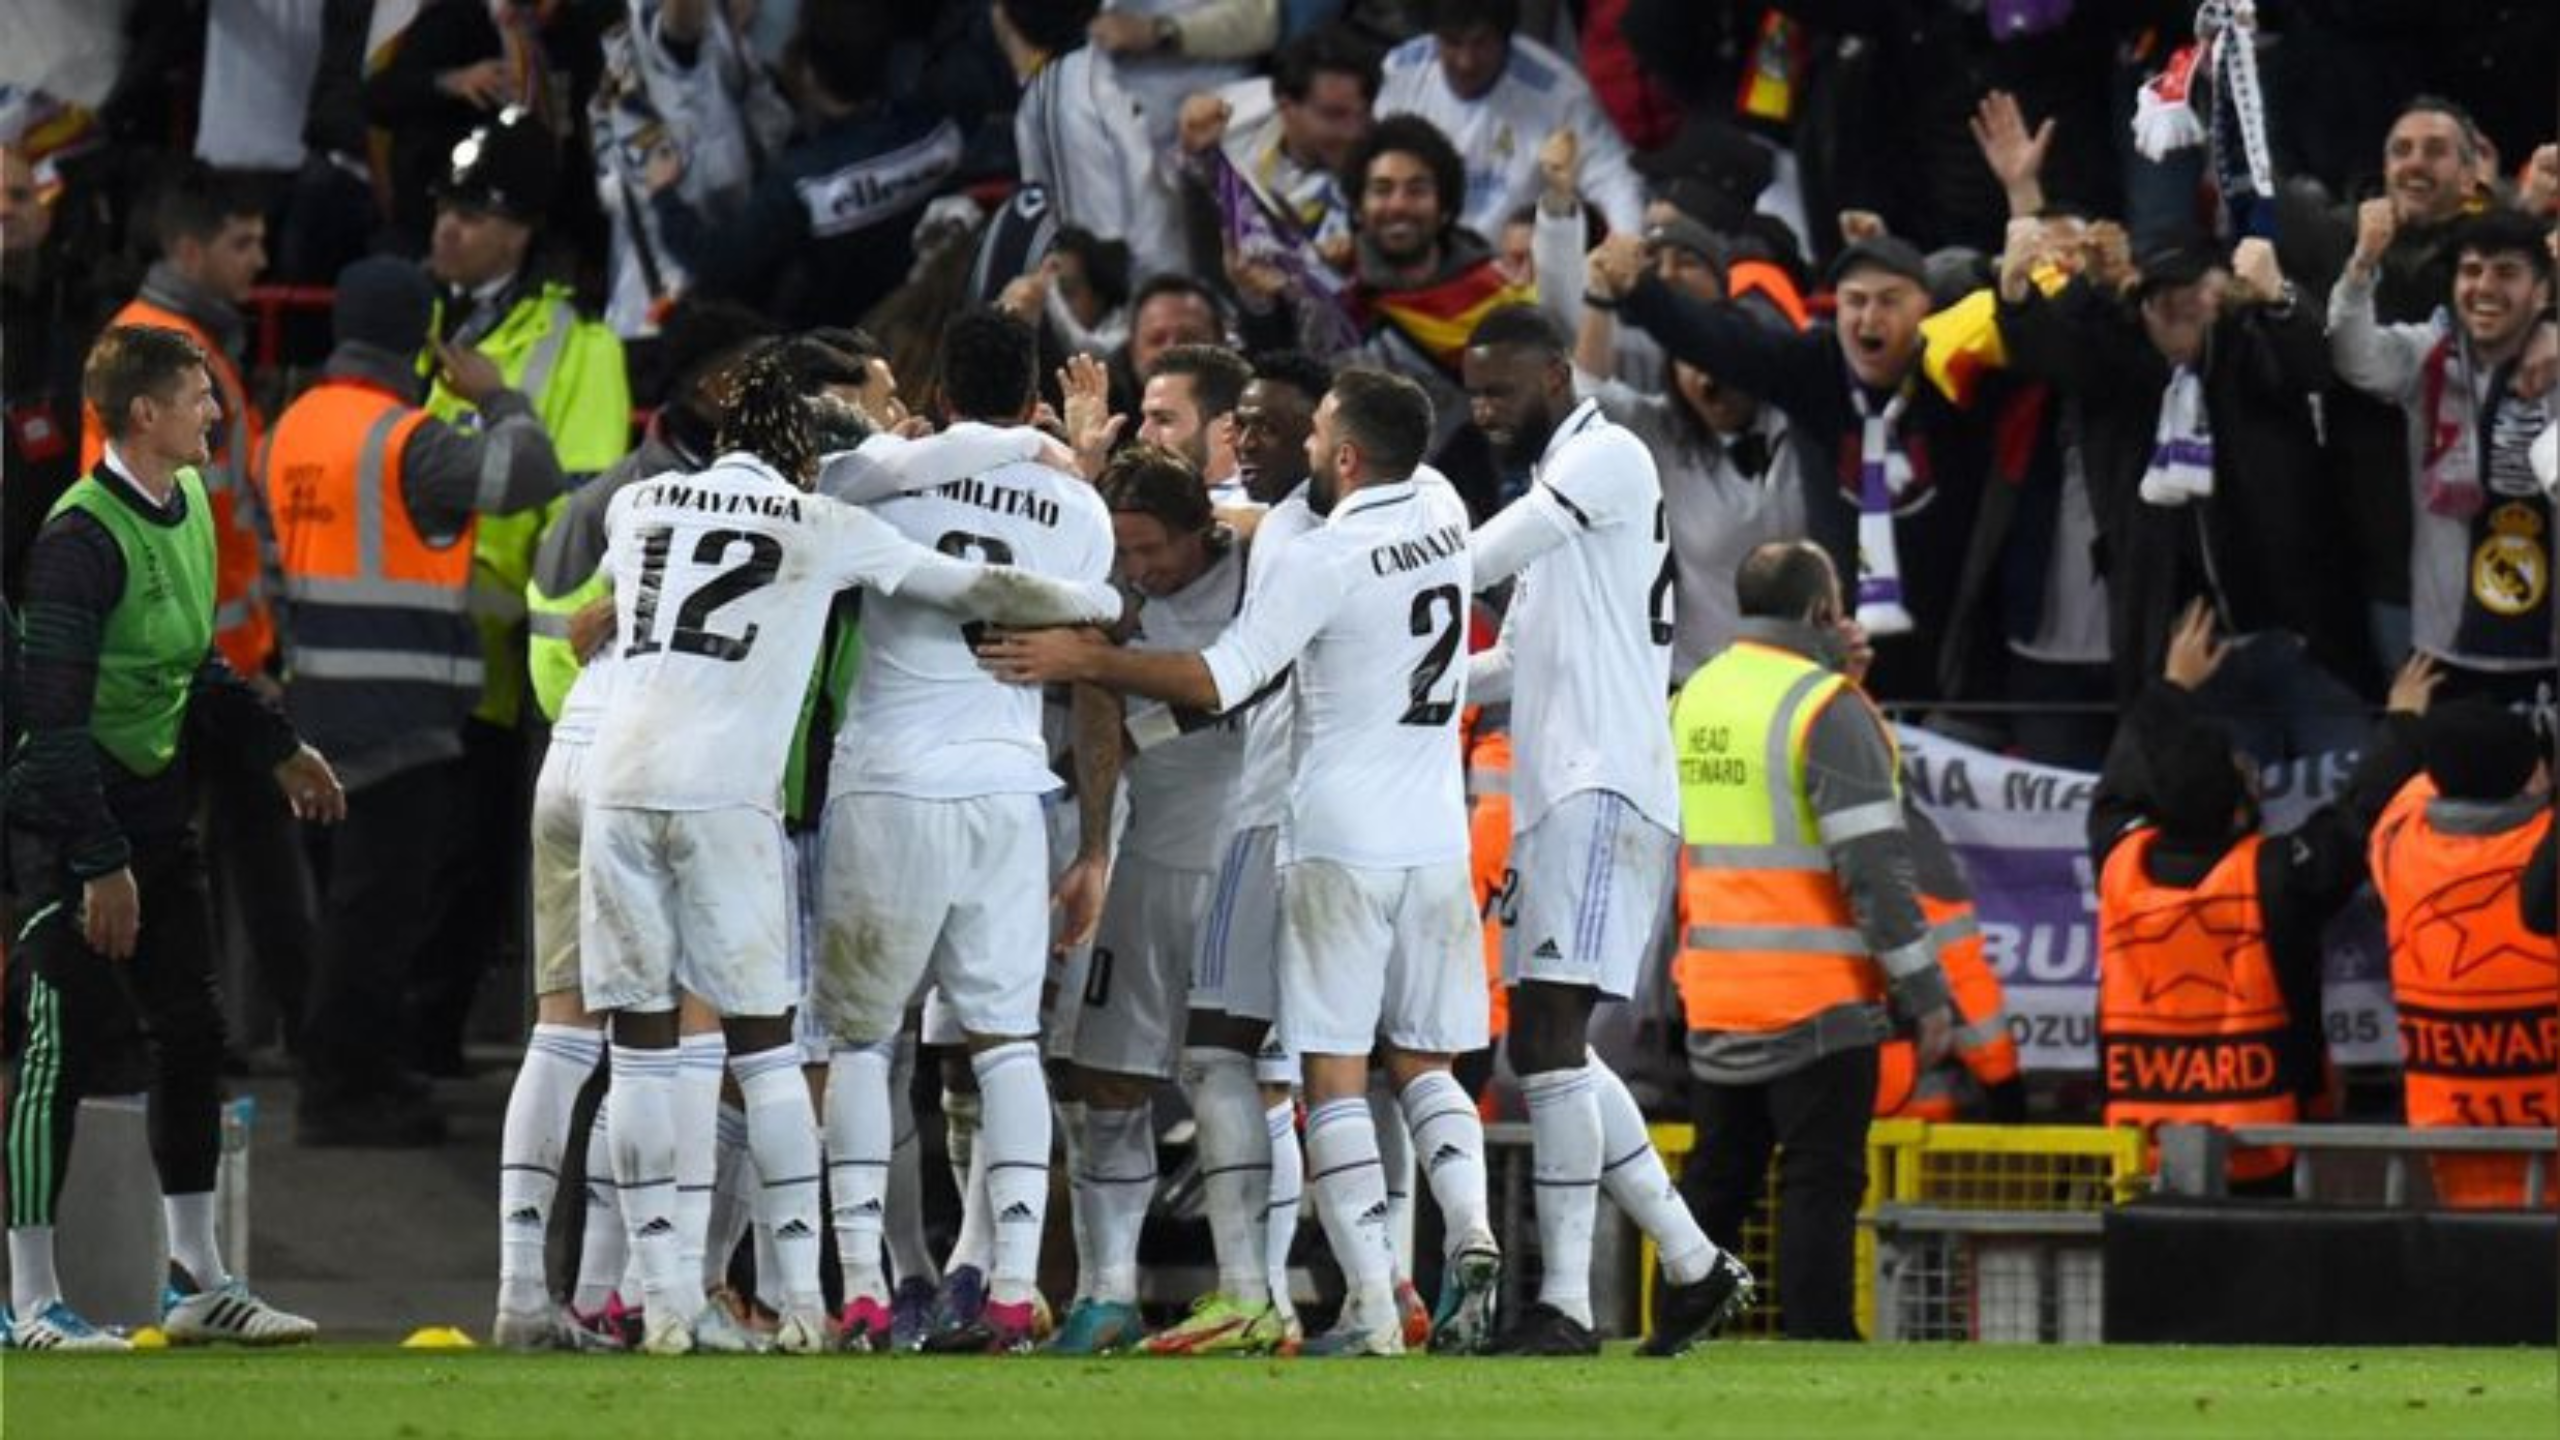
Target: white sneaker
(536,1329)
(58,1327)
(717,1332)
(803,1331)
(230,1312)
(665,1332)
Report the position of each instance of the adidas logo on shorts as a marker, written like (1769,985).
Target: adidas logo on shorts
(1547,951)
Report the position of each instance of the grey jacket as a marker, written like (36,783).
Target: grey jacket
(1857,806)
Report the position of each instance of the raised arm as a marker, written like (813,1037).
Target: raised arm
(2381,360)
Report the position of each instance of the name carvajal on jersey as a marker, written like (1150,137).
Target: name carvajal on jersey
(1405,555)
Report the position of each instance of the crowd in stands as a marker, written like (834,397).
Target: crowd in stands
(2045,318)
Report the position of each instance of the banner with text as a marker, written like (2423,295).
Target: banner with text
(2022,832)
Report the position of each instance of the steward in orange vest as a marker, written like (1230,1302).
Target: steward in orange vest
(1984,1049)
(375,503)
(2478,992)
(212,248)
(2209,932)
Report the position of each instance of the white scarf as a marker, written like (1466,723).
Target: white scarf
(2181,467)
(1884,472)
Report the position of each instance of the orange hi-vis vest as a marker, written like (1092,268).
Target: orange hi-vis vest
(1489,855)
(383,647)
(2478,994)
(1768,941)
(1984,1047)
(2191,1021)
(243,628)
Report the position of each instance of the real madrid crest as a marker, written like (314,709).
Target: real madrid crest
(2511,569)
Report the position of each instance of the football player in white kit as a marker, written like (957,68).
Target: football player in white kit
(1584,656)
(936,852)
(1141,1013)
(1380,945)
(567,1042)
(721,583)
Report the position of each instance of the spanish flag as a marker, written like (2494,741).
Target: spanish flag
(1439,317)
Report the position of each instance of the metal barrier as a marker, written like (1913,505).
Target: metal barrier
(2195,1159)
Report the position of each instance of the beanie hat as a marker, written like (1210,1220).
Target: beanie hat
(2477,749)
(2194,782)
(385,302)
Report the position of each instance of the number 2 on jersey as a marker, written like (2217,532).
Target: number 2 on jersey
(986,550)
(693,634)
(1661,603)
(1430,706)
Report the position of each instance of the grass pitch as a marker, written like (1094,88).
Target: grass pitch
(1732,1390)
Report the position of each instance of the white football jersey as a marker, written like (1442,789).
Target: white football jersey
(590,696)
(721,581)
(1182,791)
(1372,609)
(1590,630)
(924,721)
(1262,794)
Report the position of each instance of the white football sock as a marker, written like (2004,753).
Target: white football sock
(558,1059)
(910,1254)
(733,1196)
(1564,1135)
(1448,1137)
(1235,1166)
(603,1250)
(858,1163)
(1351,1196)
(1068,1115)
(1395,1159)
(1113,1186)
(1016,1145)
(192,1244)
(32,1284)
(963,1116)
(1631,1171)
(1288,1186)
(699,1061)
(782,1131)
(644,1166)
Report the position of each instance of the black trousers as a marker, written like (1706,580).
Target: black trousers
(380,902)
(1816,1121)
(254,847)
(482,925)
(87,1025)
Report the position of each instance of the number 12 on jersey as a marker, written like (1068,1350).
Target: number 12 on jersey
(693,633)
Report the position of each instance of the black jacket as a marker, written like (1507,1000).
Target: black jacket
(2305,875)
(2250,547)
(1805,375)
